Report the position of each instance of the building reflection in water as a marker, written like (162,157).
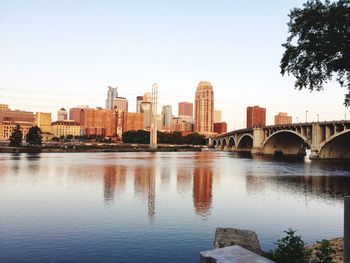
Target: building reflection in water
(183,180)
(114,182)
(144,186)
(328,187)
(203,184)
(165,178)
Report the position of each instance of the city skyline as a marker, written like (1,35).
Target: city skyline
(49,63)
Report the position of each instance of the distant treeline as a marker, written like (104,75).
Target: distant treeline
(142,136)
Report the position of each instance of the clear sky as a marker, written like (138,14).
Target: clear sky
(63,53)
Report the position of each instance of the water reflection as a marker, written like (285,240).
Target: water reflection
(90,207)
(144,186)
(203,184)
(183,180)
(114,182)
(327,187)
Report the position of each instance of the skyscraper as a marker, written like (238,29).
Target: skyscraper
(256,117)
(185,109)
(167,116)
(139,99)
(120,104)
(204,108)
(146,110)
(43,121)
(62,114)
(112,93)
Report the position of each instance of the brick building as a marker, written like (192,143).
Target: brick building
(256,117)
(283,118)
(220,127)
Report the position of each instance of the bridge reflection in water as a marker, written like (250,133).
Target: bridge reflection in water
(326,140)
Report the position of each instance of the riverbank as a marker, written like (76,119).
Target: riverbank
(338,245)
(100,148)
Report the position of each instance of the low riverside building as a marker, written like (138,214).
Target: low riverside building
(65,127)
(7,127)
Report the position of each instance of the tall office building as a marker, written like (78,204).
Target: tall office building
(146,110)
(112,93)
(43,121)
(120,104)
(147,97)
(204,108)
(256,117)
(167,116)
(62,114)
(139,99)
(283,118)
(185,109)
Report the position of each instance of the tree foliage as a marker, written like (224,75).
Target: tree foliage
(33,136)
(16,137)
(318,45)
(143,137)
(291,249)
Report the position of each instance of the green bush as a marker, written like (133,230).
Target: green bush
(291,249)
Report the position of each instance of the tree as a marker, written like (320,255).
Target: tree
(16,137)
(318,45)
(291,249)
(139,136)
(33,136)
(194,138)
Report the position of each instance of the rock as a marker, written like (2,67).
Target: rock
(226,237)
(233,254)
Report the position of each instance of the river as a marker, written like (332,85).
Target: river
(158,207)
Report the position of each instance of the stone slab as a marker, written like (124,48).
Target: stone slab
(233,254)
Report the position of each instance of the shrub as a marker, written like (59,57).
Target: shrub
(291,249)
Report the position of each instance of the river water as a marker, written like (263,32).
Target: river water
(158,207)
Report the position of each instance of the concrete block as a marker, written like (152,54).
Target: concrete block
(233,254)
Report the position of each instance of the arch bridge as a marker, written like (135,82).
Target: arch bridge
(327,140)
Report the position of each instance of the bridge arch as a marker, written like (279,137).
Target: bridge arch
(224,143)
(214,143)
(285,142)
(231,142)
(245,142)
(336,147)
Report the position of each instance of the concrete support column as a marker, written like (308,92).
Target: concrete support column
(258,140)
(316,136)
(328,132)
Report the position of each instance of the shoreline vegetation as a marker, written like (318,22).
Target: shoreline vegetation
(126,147)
